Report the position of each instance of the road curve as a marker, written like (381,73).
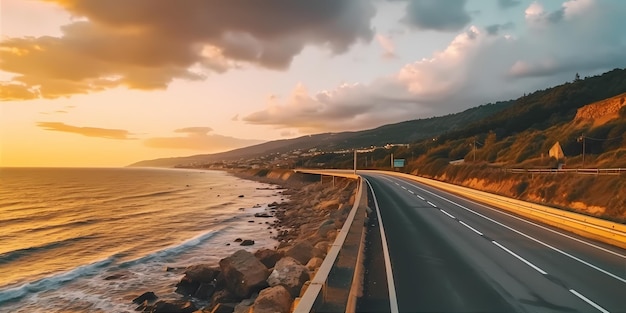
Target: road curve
(449,254)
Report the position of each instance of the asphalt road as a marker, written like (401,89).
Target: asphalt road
(449,254)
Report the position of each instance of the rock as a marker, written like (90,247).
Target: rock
(205,291)
(186,286)
(202,273)
(268,257)
(238,240)
(115,276)
(174,306)
(263,214)
(273,299)
(224,308)
(247,242)
(326,227)
(301,251)
(241,196)
(223,296)
(289,273)
(243,273)
(323,246)
(314,263)
(146,296)
(244,306)
(143,307)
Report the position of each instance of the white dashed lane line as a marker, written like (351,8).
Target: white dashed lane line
(446,213)
(535,267)
(470,227)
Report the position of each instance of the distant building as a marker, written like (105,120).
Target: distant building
(556,151)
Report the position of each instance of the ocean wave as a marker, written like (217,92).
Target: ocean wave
(173,250)
(10,256)
(145,195)
(52,282)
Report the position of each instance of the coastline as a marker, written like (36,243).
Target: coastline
(304,225)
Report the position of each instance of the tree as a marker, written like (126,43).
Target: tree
(577,78)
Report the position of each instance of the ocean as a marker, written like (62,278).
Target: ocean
(91,239)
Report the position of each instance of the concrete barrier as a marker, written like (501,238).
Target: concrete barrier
(591,227)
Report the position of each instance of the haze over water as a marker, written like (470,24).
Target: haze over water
(64,230)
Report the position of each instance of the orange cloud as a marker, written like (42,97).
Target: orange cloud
(10,92)
(147,44)
(198,138)
(87,131)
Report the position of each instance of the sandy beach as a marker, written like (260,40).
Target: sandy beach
(305,224)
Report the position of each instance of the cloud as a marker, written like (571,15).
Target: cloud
(198,138)
(438,15)
(146,44)
(107,133)
(11,92)
(507,4)
(386,43)
(480,65)
(495,29)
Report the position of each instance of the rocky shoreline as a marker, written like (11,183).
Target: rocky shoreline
(269,280)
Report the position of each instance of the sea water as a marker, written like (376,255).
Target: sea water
(91,239)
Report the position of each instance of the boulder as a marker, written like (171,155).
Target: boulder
(273,299)
(323,246)
(174,306)
(289,273)
(202,273)
(263,214)
(223,296)
(186,286)
(326,227)
(268,257)
(244,306)
(243,273)
(205,291)
(146,296)
(224,308)
(247,242)
(301,251)
(314,263)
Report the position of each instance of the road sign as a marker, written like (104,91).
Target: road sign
(398,162)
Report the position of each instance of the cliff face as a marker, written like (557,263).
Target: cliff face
(601,109)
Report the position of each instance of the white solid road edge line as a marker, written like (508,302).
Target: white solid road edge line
(593,304)
(520,258)
(470,227)
(393,299)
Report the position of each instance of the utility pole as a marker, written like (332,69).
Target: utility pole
(582,139)
(392,161)
(474,150)
(354,161)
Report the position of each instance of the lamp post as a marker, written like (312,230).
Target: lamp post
(582,139)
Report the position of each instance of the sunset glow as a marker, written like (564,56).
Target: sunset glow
(109,83)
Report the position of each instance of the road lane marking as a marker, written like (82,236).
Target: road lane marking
(393,300)
(593,304)
(431,204)
(403,187)
(446,213)
(470,227)
(520,258)
(530,237)
(411,191)
(422,198)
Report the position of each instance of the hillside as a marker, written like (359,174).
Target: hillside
(404,132)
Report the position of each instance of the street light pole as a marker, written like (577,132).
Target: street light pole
(354,161)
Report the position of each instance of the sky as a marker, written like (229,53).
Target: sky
(108,83)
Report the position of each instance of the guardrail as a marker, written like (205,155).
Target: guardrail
(588,226)
(582,171)
(337,283)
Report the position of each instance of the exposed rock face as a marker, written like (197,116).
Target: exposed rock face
(301,251)
(146,296)
(268,257)
(202,273)
(272,300)
(199,281)
(243,273)
(289,273)
(247,242)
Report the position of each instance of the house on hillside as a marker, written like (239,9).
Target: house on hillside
(556,152)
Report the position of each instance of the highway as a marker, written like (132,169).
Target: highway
(443,253)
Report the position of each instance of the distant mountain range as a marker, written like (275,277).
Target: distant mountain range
(538,110)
